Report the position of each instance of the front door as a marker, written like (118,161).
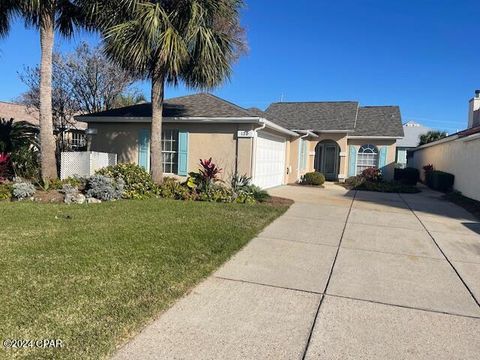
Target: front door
(327,159)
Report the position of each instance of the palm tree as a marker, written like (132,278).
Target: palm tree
(194,41)
(431,136)
(47,16)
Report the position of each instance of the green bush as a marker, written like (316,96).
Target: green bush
(387,187)
(441,181)
(138,183)
(354,181)
(313,178)
(407,176)
(5,192)
(23,190)
(172,189)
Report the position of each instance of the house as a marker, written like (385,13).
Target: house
(71,136)
(457,154)
(274,147)
(412,132)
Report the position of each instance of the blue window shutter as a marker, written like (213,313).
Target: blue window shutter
(144,149)
(382,159)
(182,153)
(352,161)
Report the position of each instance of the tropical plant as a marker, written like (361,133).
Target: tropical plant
(372,174)
(19,141)
(194,41)
(431,136)
(47,16)
(239,182)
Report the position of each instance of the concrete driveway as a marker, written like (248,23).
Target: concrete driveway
(342,275)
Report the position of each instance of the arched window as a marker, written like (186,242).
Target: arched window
(367,157)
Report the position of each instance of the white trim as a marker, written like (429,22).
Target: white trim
(276,127)
(306,133)
(470,137)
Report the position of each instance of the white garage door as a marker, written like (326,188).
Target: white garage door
(269,161)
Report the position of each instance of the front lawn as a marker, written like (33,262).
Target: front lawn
(93,275)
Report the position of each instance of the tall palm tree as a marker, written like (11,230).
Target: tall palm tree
(167,41)
(47,16)
(431,136)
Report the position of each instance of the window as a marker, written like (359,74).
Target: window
(302,160)
(170,151)
(367,157)
(78,140)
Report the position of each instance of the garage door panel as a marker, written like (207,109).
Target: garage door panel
(269,161)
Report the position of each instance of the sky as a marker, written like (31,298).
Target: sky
(423,55)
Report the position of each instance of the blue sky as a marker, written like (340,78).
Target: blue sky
(423,55)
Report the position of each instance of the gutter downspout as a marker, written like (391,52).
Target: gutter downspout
(254,149)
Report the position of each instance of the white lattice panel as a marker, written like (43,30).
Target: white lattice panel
(84,163)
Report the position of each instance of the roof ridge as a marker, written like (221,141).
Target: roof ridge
(226,101)
(379,106)
(317,102)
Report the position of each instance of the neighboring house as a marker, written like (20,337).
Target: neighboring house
(458,154)
(72,137)
(274,147)
(410,141)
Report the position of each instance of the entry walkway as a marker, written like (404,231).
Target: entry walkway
(342,275)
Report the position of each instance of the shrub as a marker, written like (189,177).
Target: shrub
(372,174)
(240,182)
(387,187)
(105,188)
(5,167)
(354,181)
(23,190)
(5,192)
(75,181)
(172,189)
(407,176)
(138,183)
(428,172)
(217,193)
(441,181)
(313,178)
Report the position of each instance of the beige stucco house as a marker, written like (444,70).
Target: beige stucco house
(274,147)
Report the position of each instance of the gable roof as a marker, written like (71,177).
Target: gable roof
(379,121)
(317,116)
(197,105)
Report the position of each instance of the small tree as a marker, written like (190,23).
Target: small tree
(194,41)
(431,136)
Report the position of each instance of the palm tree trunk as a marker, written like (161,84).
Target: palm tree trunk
(156,158)
(47,140)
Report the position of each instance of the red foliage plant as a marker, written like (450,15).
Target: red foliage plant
(428,168)
(372,174)
(5,166)
(209,170)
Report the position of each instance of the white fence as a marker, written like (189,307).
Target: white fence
(458,156)
(84,163)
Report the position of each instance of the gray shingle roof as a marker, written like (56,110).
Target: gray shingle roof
(315,116)
(379,121)
(198,105)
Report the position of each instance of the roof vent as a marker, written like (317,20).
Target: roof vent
(477,93)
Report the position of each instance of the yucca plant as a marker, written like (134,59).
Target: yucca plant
(167,42)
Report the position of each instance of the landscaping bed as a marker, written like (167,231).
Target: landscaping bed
(371,180)
(93,276)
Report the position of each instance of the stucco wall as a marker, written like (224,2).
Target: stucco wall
(457,157)
(391,152)
(205,140)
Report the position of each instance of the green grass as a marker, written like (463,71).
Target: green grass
(93,275)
